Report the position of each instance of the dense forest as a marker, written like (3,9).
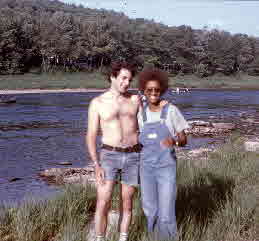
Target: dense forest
(51,35)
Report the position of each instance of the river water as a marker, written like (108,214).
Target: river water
(41,130)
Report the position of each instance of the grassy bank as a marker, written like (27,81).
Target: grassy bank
(242,81)
(57,80)
(216,202)
(61,80)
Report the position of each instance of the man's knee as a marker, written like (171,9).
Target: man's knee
(127,198)
(127,204)
(103,204)
(104,195)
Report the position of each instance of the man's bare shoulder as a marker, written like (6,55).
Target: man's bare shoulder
(95,103)
(135,99)
(99,99)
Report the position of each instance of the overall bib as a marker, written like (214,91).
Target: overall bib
(158,177)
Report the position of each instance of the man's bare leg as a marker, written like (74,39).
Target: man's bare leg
(104,194)
(126,197)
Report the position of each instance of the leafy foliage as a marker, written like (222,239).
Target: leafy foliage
(52,35)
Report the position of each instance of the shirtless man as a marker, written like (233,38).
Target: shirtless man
(115,112)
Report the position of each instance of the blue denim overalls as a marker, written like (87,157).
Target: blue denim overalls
(158,177)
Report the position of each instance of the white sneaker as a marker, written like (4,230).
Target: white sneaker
(123,237)
(100,238)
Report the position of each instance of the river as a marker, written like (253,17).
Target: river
(41,130)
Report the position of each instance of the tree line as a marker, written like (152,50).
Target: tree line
(52,35)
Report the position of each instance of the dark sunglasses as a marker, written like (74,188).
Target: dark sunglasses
(150,90)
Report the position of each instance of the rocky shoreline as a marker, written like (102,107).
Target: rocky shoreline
(197,128)
(84,175)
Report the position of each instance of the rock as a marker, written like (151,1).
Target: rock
(64,163)
(250,120)
(7,237)
(242,114)
(252,145)
(7,100)
(69,175)
(228,126)
(30,125)
(199,152)
(199,123)
(203,128)
(14,179)
(52,172)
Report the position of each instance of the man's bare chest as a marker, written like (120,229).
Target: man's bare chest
(110,111)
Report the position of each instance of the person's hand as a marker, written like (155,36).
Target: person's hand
(99,175)
(163,103)
(168,142)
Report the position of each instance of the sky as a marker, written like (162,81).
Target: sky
(234,16)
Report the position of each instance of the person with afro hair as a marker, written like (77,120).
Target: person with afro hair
(161,128)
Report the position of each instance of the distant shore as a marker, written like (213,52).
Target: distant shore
(87,90)
(96,82)
(38,91)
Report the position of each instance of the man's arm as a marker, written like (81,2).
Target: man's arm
(92,130)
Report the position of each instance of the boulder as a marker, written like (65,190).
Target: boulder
(199,152)
(64,163)
(252,145)
(203,128)
(7,100)
(14,179)
(69,175)
(227,126)
(199,123)
(29,125)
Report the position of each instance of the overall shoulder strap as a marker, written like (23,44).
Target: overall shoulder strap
(144,113)
(164,111)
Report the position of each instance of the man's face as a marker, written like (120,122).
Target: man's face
(122,81)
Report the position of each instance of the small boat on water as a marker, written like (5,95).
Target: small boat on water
(181,90)
(7,100)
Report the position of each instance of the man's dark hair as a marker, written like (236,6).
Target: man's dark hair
(153,74)
(117,66)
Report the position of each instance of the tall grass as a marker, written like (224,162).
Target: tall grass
(62,218)
(243,81)
(216,202)
(58,80)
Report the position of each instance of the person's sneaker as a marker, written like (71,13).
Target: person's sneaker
(99,238)
(123,237)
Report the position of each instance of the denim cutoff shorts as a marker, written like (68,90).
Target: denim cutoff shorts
(120,166)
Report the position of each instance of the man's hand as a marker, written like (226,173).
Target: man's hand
(99,175)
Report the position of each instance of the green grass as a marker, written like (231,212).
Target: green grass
(57,80)
(216,81)
(216,202)
(61,218)
(62,80)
